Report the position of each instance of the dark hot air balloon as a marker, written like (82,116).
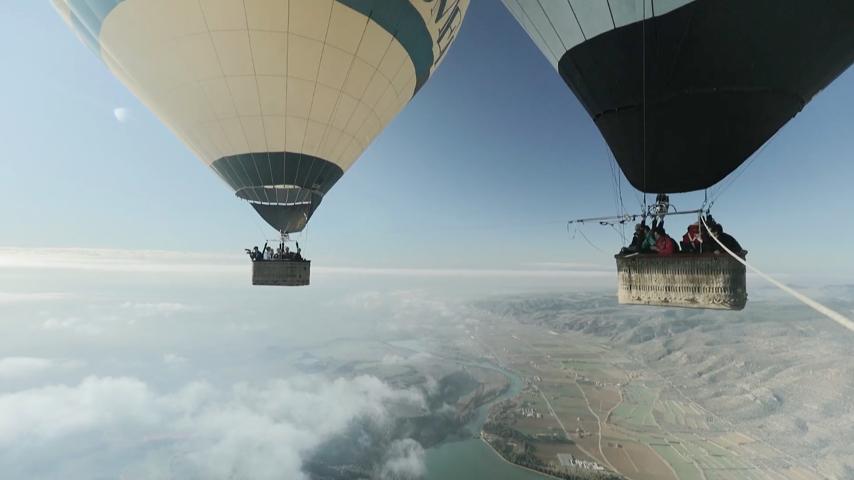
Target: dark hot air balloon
(684,91)
(686,96)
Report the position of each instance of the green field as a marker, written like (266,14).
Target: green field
(685,470)
(637,407)
(678,414)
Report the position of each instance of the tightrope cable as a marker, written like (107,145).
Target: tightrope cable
(827,312)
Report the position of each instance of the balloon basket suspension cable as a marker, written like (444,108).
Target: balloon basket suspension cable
(827,312)
(623,219)
(643,92)
(658,210)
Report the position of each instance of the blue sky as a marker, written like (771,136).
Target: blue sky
(481,170)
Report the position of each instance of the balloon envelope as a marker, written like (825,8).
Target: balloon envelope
(686,96)
(278,97)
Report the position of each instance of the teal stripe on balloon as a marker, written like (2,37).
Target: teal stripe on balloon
(401,19)
(88,17)
(398,17)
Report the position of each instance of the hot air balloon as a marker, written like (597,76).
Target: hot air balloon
(278,97)
(683,92)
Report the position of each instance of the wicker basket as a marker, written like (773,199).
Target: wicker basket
(682,280)
(284,273)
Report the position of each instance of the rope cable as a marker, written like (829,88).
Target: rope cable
(622,233)
(744,167)
(829,313)
(287,190)
(738,174)
(579,231)
(623,211)
(258,223)
(643,90)
(613,179)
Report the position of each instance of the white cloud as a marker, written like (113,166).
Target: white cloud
(108,260)
(173,359)
(431,385)
(122,114)
(72,324)
(22,367)
(366,300)
(21,297)
(393,359)
(568,266)
(464,272)
(50,412)
(404,460)
(15,367)
(248,431)
(160,309)
(150,261)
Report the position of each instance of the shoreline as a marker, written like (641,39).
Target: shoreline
(498,454)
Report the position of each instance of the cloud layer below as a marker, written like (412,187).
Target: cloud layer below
(246,431)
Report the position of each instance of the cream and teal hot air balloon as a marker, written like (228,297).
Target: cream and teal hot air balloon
(278,97)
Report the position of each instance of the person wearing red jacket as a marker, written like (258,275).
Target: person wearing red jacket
(664,245)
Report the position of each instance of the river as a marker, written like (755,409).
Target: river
(472,458)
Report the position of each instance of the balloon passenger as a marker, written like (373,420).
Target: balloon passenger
(691,241)
(664,245)
(641,232)
(726,240)
(649,241)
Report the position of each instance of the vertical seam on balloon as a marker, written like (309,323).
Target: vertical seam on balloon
(322,142)
(391,81)
(610,11)
(231,94)
(580,28)
(377,70)
(198,81)
(285,113)
(260,107)
(643,88)
(418,41)
(314,92)
(341,91)
(341,94)
(524,21)
(539,34)
(353,137)
(242,179)
(682,41)
(371,110)
(562,44)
